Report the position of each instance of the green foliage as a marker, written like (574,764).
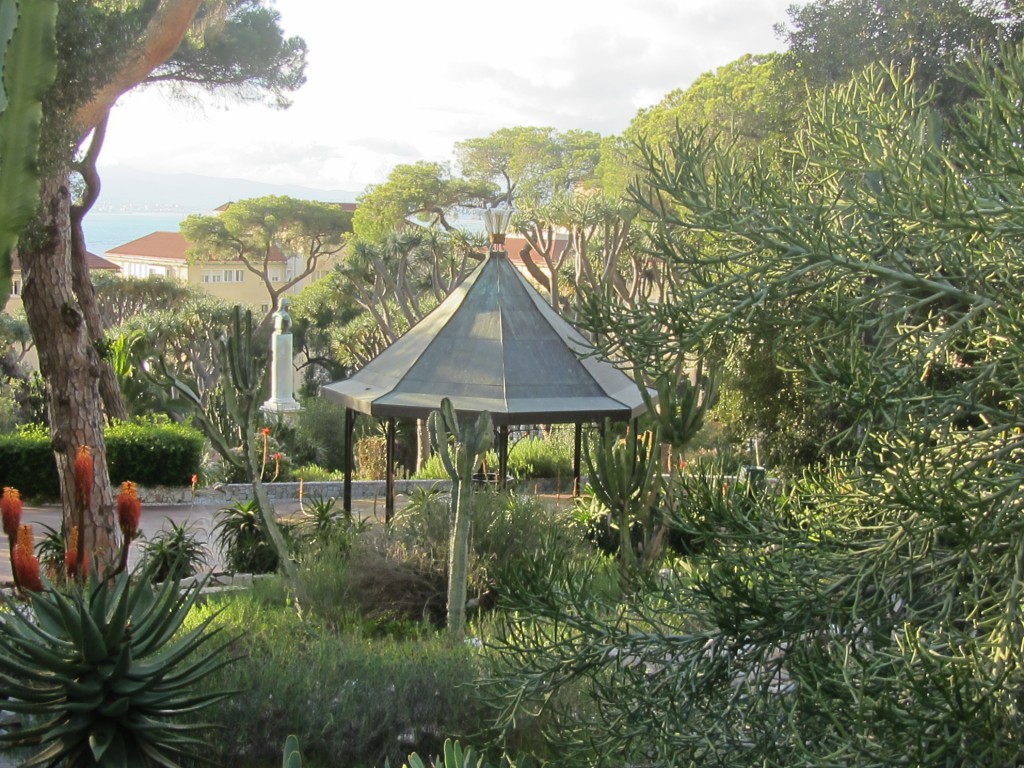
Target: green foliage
(149,454)
(152,454)
(625,477)
(175,552)
(424,190)
(318,435)
(102,675)
(27,68)
(831,40)
(753,103)
(454,756)
(530,164)
(869,613)
(349,700)
(242,540)
(26,463)
(258,230)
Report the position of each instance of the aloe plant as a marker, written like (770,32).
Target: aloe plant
(103,673)
(460,448)
(29,64)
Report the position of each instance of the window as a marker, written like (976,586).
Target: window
(211,276)
(234,275)
(275,275)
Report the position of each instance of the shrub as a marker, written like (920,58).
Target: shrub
(349,702)
(146,453)
(175,552)
(242,539)
(371,457)
(151,454)
(530,457)
(26,463)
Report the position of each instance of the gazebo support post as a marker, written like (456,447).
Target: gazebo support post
(389,481)
(350,428)
(502,456)
(577,450)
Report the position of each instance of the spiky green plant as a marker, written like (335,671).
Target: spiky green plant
(29,64)
(625,478)
(243,394)
(101,675)
(460,448)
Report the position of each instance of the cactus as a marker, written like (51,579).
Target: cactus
(292,755)
(29,64)
(624,477)
(460,448)
(243,394)
(682,404)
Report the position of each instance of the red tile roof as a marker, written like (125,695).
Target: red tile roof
(91,259)
(167,246)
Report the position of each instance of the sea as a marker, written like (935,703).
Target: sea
(105,231)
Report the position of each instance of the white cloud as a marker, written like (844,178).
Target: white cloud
(394,82)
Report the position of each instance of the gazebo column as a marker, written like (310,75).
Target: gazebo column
(502,456)
(350,428)
(389,477)
(577,450)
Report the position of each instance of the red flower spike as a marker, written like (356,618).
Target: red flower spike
(129,510)
(265,431)
(71,557)
(83,477)
(25,564)
(10,507)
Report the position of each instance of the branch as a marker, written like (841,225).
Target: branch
(161,39)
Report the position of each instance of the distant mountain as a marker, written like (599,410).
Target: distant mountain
(127,190)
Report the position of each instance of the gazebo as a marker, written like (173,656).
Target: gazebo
(494,344)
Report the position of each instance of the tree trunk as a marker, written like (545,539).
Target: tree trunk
(81,281)
(69,364)
(422,443)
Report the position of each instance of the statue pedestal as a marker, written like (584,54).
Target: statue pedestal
(281,376)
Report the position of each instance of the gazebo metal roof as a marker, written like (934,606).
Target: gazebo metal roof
(494,344)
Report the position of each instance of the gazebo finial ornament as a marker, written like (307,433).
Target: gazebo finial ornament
(496,220)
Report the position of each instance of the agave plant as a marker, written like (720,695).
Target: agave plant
(102,673)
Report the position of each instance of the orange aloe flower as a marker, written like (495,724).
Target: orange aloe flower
(25,564)
(10,507)
(129,510)
(83,477)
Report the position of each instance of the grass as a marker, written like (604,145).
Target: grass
(352,700)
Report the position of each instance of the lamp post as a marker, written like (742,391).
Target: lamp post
(496,221)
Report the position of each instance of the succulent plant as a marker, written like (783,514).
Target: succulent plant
(28,65)
(102,673)
(460,447)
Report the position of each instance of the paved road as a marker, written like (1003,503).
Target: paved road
(158,517)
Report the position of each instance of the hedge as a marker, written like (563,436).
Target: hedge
(147,454)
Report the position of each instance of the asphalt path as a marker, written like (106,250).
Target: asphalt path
(200,517)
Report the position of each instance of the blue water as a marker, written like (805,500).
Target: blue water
(104,231)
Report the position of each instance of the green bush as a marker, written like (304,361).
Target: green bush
(530,457)
(349,701)
(153,454)
(26,463)
(145,453)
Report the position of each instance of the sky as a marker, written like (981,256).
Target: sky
(394,81)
